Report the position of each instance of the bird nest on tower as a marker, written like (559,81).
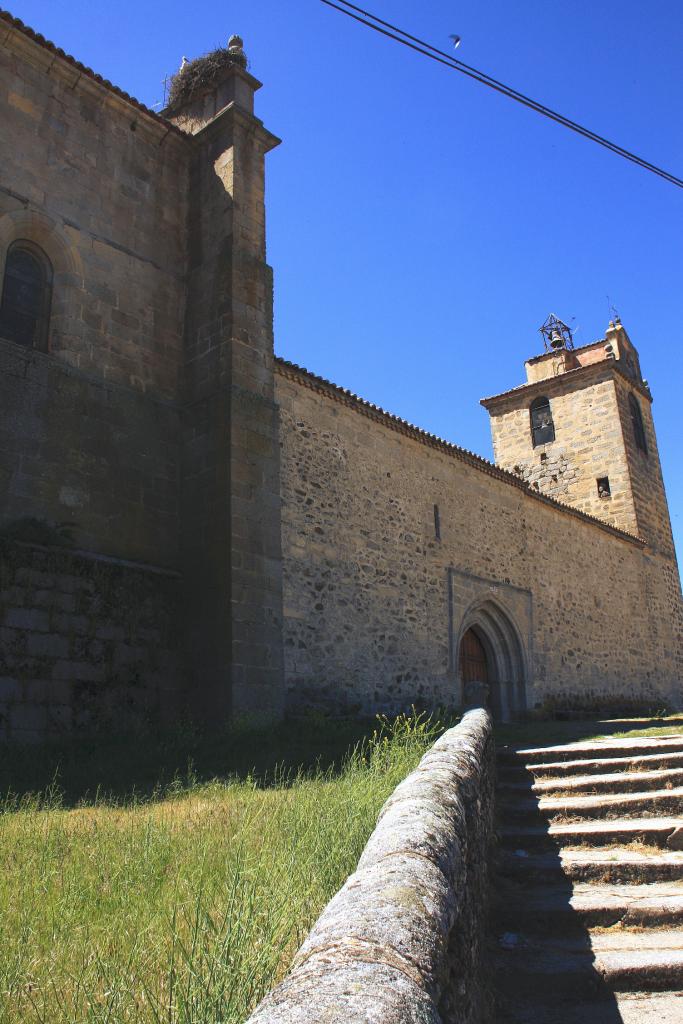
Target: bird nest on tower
(202,73)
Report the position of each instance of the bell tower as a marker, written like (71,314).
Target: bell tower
(580,430)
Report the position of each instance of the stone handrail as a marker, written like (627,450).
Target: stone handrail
(401,941)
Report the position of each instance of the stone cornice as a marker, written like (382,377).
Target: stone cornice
(233,112)
(373,412)
(553,385)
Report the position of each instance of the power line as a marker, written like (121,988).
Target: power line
(385,28)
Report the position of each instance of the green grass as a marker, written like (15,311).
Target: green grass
(658,730)
(184,905)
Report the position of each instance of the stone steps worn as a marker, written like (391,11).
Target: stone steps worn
(653,803)
(587,915)
(614,864)
(561,906)
(518,770)
(592,968)
(614,782)
(619,832)
(600,749)
(622,1008)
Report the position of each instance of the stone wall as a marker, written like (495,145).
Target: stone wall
(401,942)
(88,434)
(376,603)
(102,187)
(99,456)
(86,643)
(149,423)
(645,472)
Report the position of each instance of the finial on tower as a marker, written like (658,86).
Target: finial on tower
(236,44)
(556,334)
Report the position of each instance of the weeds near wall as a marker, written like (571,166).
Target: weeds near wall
(186,908)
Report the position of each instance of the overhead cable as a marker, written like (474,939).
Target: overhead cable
(385,28)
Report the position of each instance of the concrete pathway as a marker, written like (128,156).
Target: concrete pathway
(587,916)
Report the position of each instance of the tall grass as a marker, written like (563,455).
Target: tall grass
(186,908)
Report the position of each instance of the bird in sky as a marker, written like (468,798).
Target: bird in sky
(456,41)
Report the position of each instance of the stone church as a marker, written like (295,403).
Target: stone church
(190,526)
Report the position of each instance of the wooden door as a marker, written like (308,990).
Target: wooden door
(473,664)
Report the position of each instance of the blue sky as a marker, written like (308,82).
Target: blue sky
(422,227)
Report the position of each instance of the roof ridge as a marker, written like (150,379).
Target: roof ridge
(46,44)
(288,368)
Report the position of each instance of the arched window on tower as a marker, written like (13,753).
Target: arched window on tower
(26,296)
(637,421)
(542,426)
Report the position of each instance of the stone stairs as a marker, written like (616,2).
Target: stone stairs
(587,915)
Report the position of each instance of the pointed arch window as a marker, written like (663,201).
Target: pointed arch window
(637,421)
(542,426)
(26,296)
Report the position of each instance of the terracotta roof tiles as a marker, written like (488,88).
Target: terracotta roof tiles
(36,37)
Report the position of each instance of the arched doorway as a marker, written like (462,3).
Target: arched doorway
(491,662)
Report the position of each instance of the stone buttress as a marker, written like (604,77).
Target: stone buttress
(230,516)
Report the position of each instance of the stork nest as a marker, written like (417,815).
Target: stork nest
(202,73)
